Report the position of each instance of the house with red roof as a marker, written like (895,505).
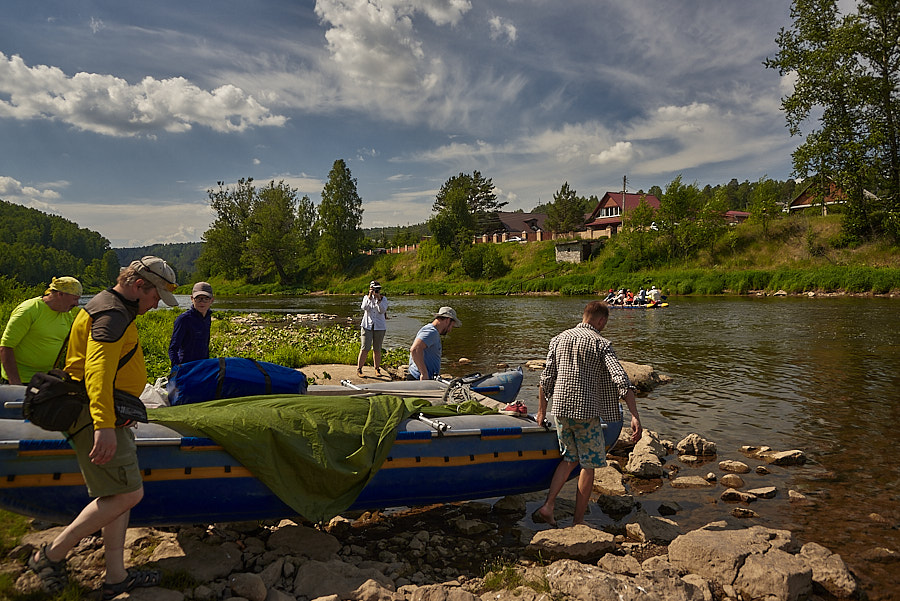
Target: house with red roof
(606,219)
(818,193)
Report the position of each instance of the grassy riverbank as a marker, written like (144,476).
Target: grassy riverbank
(797,254)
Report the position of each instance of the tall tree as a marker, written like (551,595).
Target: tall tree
(454,225)
(340,218)
(676,216)
(637,233)
(566,212)
(764,204)
(847,71)
(228,234)
(274,242)
(480,198)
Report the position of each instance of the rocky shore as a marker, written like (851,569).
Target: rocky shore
(490,551)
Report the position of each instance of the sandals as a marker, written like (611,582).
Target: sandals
(135,579)
(52,574)
(360,373)
(377,373)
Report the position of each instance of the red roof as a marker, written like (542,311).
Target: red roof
(614,199)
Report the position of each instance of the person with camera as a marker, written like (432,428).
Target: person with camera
(372,328)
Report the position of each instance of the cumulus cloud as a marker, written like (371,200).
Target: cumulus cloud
(12,190)
(501,28)
(378,39)
(108,105)
(620,153)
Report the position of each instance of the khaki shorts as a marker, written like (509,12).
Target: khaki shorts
(120,474)
(369,337)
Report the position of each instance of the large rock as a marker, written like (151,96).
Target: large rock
(694,444)
(774,576)
(691,482)
(580,542)
(579,582)
(441,592)
(829,572)
(717,553)
(651,529)
(204,562)
(644,377)
(608,481)
(248,586)
(308,542)
(319,578)
(794,457)
(645,461)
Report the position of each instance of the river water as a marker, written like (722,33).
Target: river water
(817,374)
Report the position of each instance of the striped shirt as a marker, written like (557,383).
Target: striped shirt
(583,377)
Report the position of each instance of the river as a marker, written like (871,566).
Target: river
(817,374)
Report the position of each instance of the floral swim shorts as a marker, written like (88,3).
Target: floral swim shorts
(581,441)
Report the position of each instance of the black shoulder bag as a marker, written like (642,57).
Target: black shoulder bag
(54,400)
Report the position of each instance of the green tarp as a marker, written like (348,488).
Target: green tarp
(316,453)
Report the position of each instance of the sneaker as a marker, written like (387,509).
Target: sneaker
(517,408)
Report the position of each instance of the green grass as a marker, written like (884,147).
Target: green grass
(275,338)
(504,575)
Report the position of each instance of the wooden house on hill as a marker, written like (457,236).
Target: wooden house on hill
(606,219)
(520,227)
(736,217)
(818,192)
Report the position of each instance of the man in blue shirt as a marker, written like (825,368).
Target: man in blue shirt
(190,336)
(425,352)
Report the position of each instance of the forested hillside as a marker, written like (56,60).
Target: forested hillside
(180,256)
(36,246)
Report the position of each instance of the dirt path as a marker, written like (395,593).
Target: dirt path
(333,373)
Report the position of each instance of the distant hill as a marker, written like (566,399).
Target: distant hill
(36,246)
(181,256)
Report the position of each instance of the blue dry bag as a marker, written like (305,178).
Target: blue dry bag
(231,377)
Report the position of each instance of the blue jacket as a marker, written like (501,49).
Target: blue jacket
(190,337)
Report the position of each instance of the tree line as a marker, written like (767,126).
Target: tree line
(261,232)
(36,246)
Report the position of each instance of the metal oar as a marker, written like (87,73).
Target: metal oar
(439,426)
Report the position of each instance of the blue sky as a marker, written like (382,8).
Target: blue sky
(121,115)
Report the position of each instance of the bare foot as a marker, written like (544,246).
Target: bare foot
(540,517)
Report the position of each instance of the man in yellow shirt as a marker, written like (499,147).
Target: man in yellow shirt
(104,352)
(36,331)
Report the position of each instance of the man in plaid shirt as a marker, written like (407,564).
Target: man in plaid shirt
(585,381)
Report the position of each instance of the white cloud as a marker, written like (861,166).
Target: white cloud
(502,28)
(110,106)
(12,190)
(376,41)
(401,208)
(620,153)
(96,25)
(143,222)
